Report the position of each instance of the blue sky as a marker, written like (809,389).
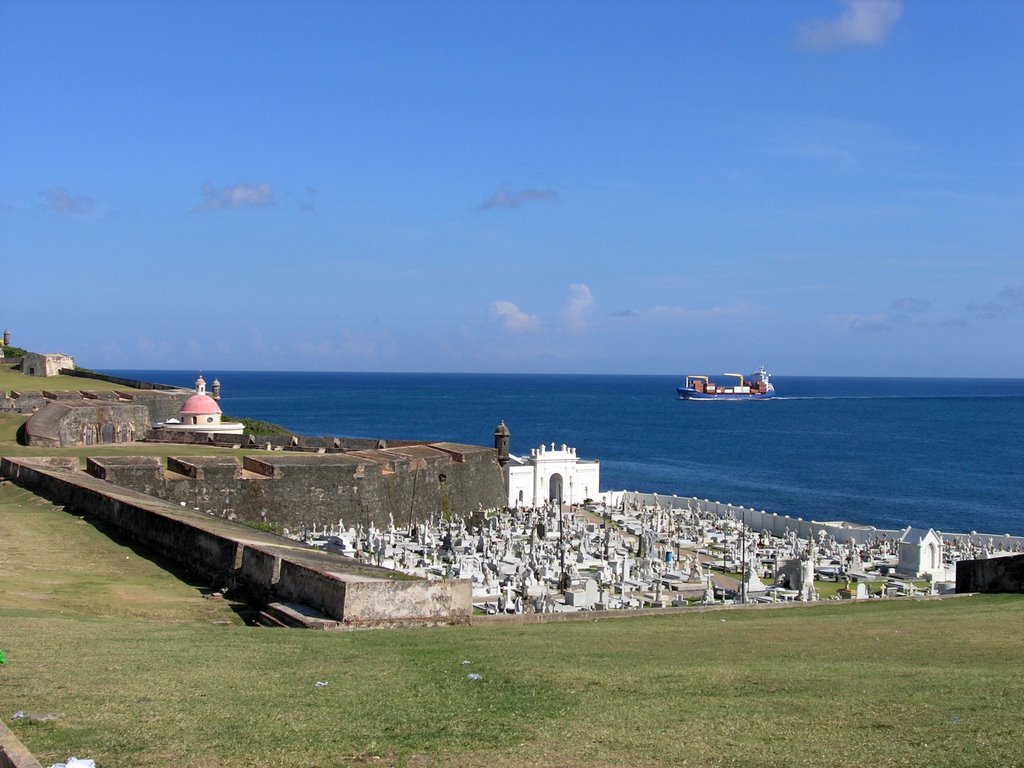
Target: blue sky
(824,187)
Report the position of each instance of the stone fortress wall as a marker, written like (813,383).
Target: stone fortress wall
(301,482)
(260,565)
(299,489)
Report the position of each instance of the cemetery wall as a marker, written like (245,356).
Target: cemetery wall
(258,564)
(996,574)
(777,525)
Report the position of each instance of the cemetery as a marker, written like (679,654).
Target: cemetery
(637,552)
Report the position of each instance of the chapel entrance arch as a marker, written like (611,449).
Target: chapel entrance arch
(555,489)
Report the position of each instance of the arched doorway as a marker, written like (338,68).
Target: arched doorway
(555,489)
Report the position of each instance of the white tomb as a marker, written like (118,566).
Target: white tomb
(920,554)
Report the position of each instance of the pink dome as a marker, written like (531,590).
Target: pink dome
(200,405)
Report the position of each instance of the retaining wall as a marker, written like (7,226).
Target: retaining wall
(263,566)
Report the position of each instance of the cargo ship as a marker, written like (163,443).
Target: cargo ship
(757,386)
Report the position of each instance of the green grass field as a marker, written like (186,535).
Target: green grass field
(12,379)
(144,671)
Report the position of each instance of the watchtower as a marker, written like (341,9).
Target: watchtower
(501,443)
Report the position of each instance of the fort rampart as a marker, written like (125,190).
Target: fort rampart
(261,565)
(294,490)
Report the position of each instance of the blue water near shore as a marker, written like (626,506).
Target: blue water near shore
(944,453)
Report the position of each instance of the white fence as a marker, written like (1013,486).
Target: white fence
(777,525)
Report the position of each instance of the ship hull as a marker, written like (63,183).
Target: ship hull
(692,394)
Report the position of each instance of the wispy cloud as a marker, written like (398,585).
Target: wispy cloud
(308,205)
(1009,299)
(910,305)
(623,313)
(237,196)
(862,23)
(900,311)
(690,313)
(869,323)
(346,344)
(513,318)
(60,201)
(511,200)
(577,311)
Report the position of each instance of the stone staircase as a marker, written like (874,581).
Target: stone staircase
(295,615)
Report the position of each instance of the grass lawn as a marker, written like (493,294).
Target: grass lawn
(12,379)
(145,672)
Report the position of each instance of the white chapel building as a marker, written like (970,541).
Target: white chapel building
(551,475)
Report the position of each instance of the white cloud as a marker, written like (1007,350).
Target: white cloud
(578,309)
(513,318)
(237,196)
(511,200)
(59,201)
(863,22)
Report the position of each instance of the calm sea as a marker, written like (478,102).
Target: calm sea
(945,453)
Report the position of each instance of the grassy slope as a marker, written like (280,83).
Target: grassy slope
(145,672)
(12,379)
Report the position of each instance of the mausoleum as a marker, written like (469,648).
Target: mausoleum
(920,554)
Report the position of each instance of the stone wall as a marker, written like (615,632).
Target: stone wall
(36,364)
(295,490)
(261,565)
(84,422)
(995,574)
(91,418)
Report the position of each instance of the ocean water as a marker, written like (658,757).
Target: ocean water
(944,453)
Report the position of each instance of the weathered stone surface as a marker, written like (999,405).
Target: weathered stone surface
(92,418)
(86,422)
(411,483)
(996,574)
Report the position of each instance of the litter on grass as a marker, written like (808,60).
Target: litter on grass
(474,676)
